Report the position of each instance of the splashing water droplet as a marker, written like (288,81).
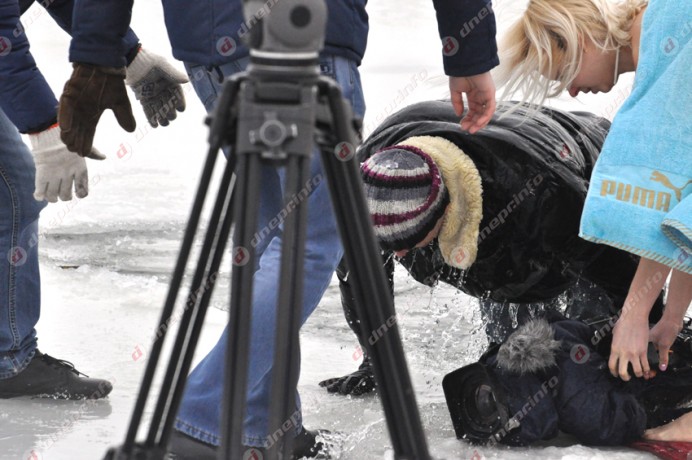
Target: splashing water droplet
(513,311)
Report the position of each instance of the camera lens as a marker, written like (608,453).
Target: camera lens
(480,416)
(485,404)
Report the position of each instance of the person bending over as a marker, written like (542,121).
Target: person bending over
(495,215)
(640,198)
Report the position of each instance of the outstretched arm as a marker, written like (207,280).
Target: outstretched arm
(30,104)
(664,333)
(631,332)
(467,30)
(99,51)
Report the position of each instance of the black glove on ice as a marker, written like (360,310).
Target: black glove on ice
(358,383)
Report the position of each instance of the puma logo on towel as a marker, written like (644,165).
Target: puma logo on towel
(663,179)
(644,197)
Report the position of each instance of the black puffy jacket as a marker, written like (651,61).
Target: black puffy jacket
(535,253)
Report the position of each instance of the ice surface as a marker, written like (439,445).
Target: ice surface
(119,246)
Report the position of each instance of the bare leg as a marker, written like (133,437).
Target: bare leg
(679,429)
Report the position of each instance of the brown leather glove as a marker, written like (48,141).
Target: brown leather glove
(89,91)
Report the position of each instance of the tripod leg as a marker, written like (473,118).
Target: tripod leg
(171,298)
(370,284)
(248,179)
(289,309)
(201,289)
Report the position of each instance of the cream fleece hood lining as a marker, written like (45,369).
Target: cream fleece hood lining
(458,237)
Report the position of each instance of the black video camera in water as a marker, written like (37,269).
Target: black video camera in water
(550,375)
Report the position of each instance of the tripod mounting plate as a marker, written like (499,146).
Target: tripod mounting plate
(276,127)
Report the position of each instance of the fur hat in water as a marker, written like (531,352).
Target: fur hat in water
(530,348)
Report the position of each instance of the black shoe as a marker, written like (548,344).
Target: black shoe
(358,383)
(306,444)
(47,377)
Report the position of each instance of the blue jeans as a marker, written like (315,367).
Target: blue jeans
(200,411)
(20,282)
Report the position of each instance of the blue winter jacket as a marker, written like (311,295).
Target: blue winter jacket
(25,96)
(199,31)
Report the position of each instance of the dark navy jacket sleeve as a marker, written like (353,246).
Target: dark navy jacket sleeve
(61,11)
(467,29)
(99,31)
(25,96)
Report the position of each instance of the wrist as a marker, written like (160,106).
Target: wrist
(633,319)
(140,66)
(674,320)
(42,126)
(45,139)
(132,54)
(87,67)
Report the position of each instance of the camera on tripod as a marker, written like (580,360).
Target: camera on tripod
(274,115)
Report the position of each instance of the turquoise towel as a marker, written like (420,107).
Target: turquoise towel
(639,198)
(677,226)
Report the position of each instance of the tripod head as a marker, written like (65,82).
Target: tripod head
(287,36)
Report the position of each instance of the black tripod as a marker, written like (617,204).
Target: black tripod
(275,113)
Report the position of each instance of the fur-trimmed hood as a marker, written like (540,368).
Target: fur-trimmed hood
(458,238)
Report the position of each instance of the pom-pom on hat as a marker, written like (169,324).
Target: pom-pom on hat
(406,195)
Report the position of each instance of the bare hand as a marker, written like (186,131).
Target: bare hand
(480,92)
(663,335)
(630,342)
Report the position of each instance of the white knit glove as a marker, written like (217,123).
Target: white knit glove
(57,169)
(157,86)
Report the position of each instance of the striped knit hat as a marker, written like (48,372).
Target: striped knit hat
(406,195)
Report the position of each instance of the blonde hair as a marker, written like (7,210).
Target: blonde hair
(541,53)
